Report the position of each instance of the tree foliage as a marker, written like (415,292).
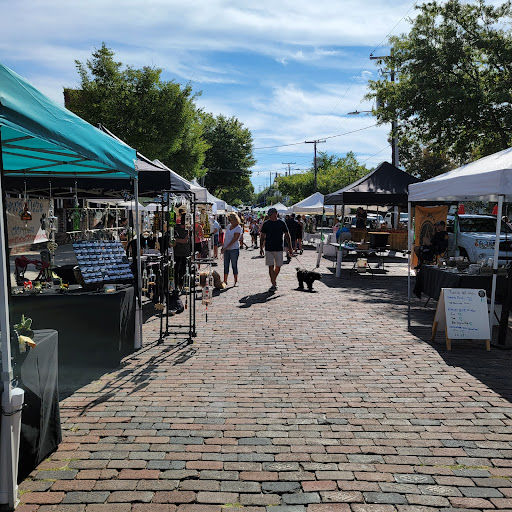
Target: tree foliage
(453,96)
(333,173)
(158,118)
(229,157)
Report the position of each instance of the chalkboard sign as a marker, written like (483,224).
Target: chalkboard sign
(463,314)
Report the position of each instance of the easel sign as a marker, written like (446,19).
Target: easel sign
(463,314)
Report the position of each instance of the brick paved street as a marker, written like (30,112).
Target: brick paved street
(291,402)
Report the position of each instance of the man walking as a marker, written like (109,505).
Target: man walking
(271,242)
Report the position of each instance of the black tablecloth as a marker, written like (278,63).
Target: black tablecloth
(40,419)
(431,279)
(95,328)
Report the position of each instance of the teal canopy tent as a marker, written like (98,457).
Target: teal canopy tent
(39,138)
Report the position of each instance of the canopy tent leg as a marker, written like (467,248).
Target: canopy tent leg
(409,250)
(8,452)
(339,255)
(138,301)
(495,263)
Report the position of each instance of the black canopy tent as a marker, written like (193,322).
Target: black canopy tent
(386,185)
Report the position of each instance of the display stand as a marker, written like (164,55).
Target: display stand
(165,285)
(462,312)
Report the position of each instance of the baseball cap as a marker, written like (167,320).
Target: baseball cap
(271,211)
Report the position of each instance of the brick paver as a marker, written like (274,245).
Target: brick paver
(290,402)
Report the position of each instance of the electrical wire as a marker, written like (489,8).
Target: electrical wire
(329,137)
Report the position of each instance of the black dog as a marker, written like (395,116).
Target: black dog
(308,277)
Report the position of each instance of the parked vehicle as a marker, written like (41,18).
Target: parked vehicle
(404,218)
(371,220)
(477,236)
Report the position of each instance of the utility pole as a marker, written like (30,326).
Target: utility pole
(394,124)
(289,169)
(315,142)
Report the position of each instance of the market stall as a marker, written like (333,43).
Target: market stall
(385,186)
(486,179)
(39,138)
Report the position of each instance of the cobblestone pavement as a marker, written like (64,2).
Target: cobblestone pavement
(290,402)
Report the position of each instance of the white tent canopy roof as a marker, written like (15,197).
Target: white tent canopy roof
(314,204)
(481,180)
(218,203)
(280,207)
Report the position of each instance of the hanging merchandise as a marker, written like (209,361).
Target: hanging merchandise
(171,277)
(188,221)
(172,216)
(145,281)
(206,227)
(151,284)
(156,222)
(51,229)
(25,214)
(186,281)
(75,216)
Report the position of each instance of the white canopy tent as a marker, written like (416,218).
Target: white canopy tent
(313,205)
(219,206)
(487,179)
(280,207)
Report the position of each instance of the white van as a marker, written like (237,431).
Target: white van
(404,218)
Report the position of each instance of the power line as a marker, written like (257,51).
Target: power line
(329,137)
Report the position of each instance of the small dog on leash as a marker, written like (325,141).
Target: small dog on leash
(308,277)
(217,281)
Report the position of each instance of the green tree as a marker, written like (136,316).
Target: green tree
(453,96)
(229,157)
(333,173)
(156,117)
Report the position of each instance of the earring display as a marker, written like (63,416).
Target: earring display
(102,261)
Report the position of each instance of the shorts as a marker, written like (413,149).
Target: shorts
(216,240)
(274,258)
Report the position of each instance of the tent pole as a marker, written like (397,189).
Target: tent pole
(138,301)
(339,255)
(495,264)
(8,455)
(456,230)
(409,249)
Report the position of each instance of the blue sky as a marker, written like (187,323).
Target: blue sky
(289,70)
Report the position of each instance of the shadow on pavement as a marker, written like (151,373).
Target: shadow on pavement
(491,368)
(90,379)
(257,298)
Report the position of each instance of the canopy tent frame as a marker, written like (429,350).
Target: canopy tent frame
(41,138)
(486,179)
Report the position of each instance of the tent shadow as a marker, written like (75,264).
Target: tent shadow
(490,368)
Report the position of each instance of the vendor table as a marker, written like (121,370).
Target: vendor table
(359,252)
(40,419)
(95,328)
(431,279)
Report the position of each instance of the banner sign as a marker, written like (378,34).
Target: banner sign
(21,232)
(424,224)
